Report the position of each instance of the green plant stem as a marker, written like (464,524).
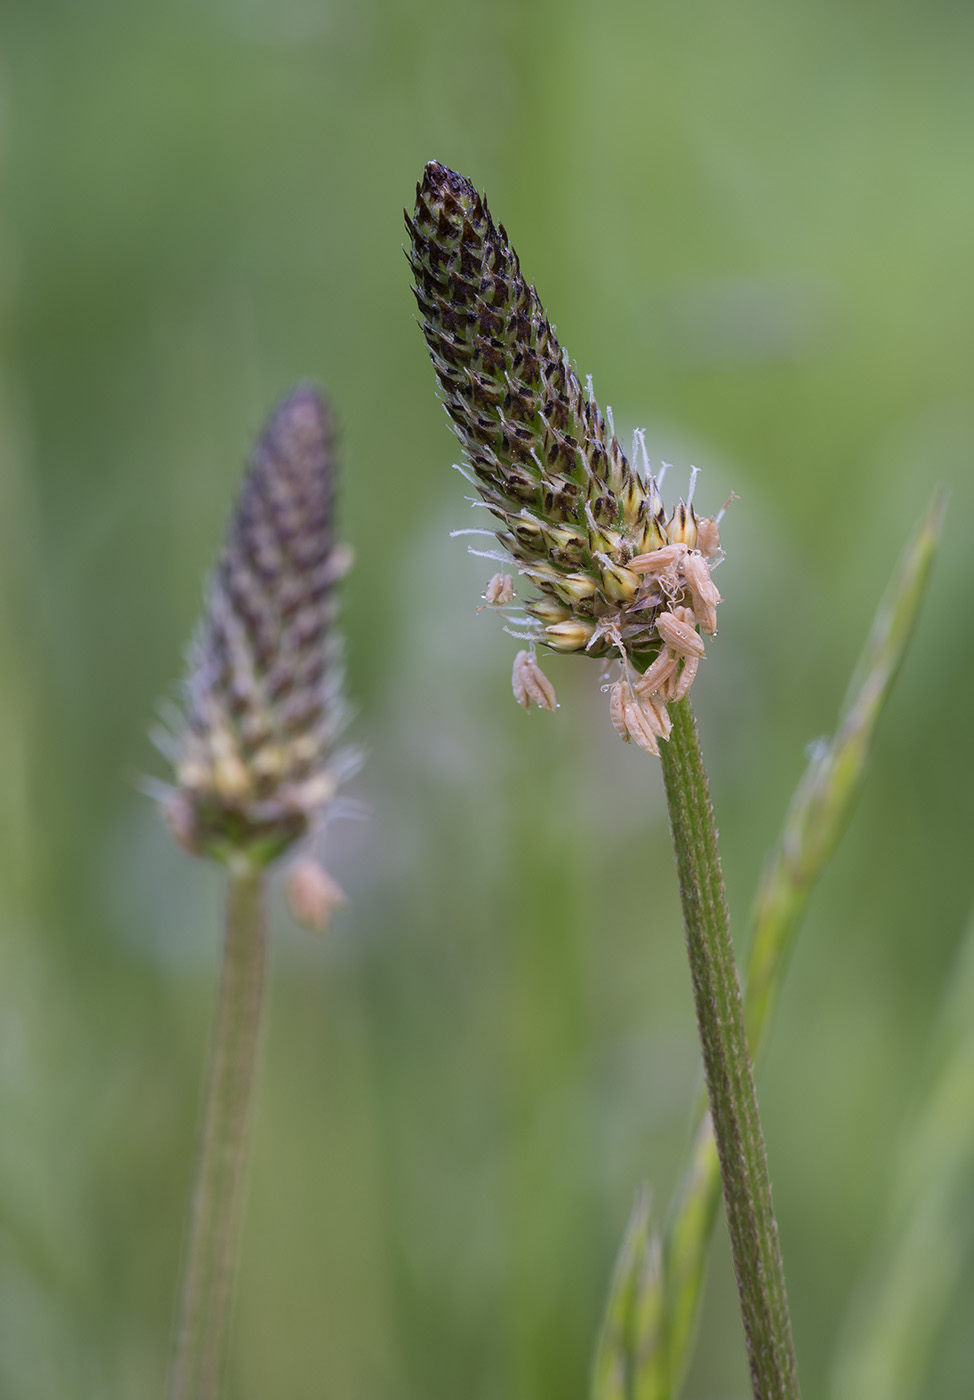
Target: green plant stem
(727,1066)
(815,821)
(211,1247)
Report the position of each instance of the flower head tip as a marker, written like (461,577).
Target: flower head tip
(254,752)
(616,574)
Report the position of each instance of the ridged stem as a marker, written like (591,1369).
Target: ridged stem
(211,1246)
(727,1066)
(816,819)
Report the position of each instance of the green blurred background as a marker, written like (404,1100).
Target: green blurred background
(753,224)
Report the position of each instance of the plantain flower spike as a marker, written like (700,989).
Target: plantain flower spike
(615,574)
(254,748)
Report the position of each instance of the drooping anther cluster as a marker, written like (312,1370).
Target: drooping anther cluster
(254,746)
(617,575)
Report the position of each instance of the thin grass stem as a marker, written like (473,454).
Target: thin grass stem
(214,1227)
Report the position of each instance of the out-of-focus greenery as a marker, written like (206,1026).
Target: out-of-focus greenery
(752,223)
(894,1321)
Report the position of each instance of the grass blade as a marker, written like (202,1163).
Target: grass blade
(633,1309)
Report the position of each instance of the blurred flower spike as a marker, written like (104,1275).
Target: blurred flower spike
(253,747)
(617,575)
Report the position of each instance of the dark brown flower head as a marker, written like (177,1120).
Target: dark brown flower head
(254,755)
(579,521)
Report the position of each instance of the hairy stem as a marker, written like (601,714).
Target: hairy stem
(727,1066)
(211,1247)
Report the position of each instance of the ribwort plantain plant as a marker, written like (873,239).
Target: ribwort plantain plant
(620,578)
(256,768)
(617,576)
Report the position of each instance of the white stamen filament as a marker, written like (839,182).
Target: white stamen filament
(493,554)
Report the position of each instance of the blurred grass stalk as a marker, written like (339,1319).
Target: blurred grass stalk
(655,1360)
(255,767)
(891,1326)
(218,1195)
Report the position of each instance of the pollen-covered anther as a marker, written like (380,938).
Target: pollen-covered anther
(657,706)
(530,684)
(569,636)
(708,537)
(657,674)
(641,725)
(658,561)
(643,720)
(618,693)
(342,560)
(703,590)
(312,894)
(679,634)
(678,684)
(500,590)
